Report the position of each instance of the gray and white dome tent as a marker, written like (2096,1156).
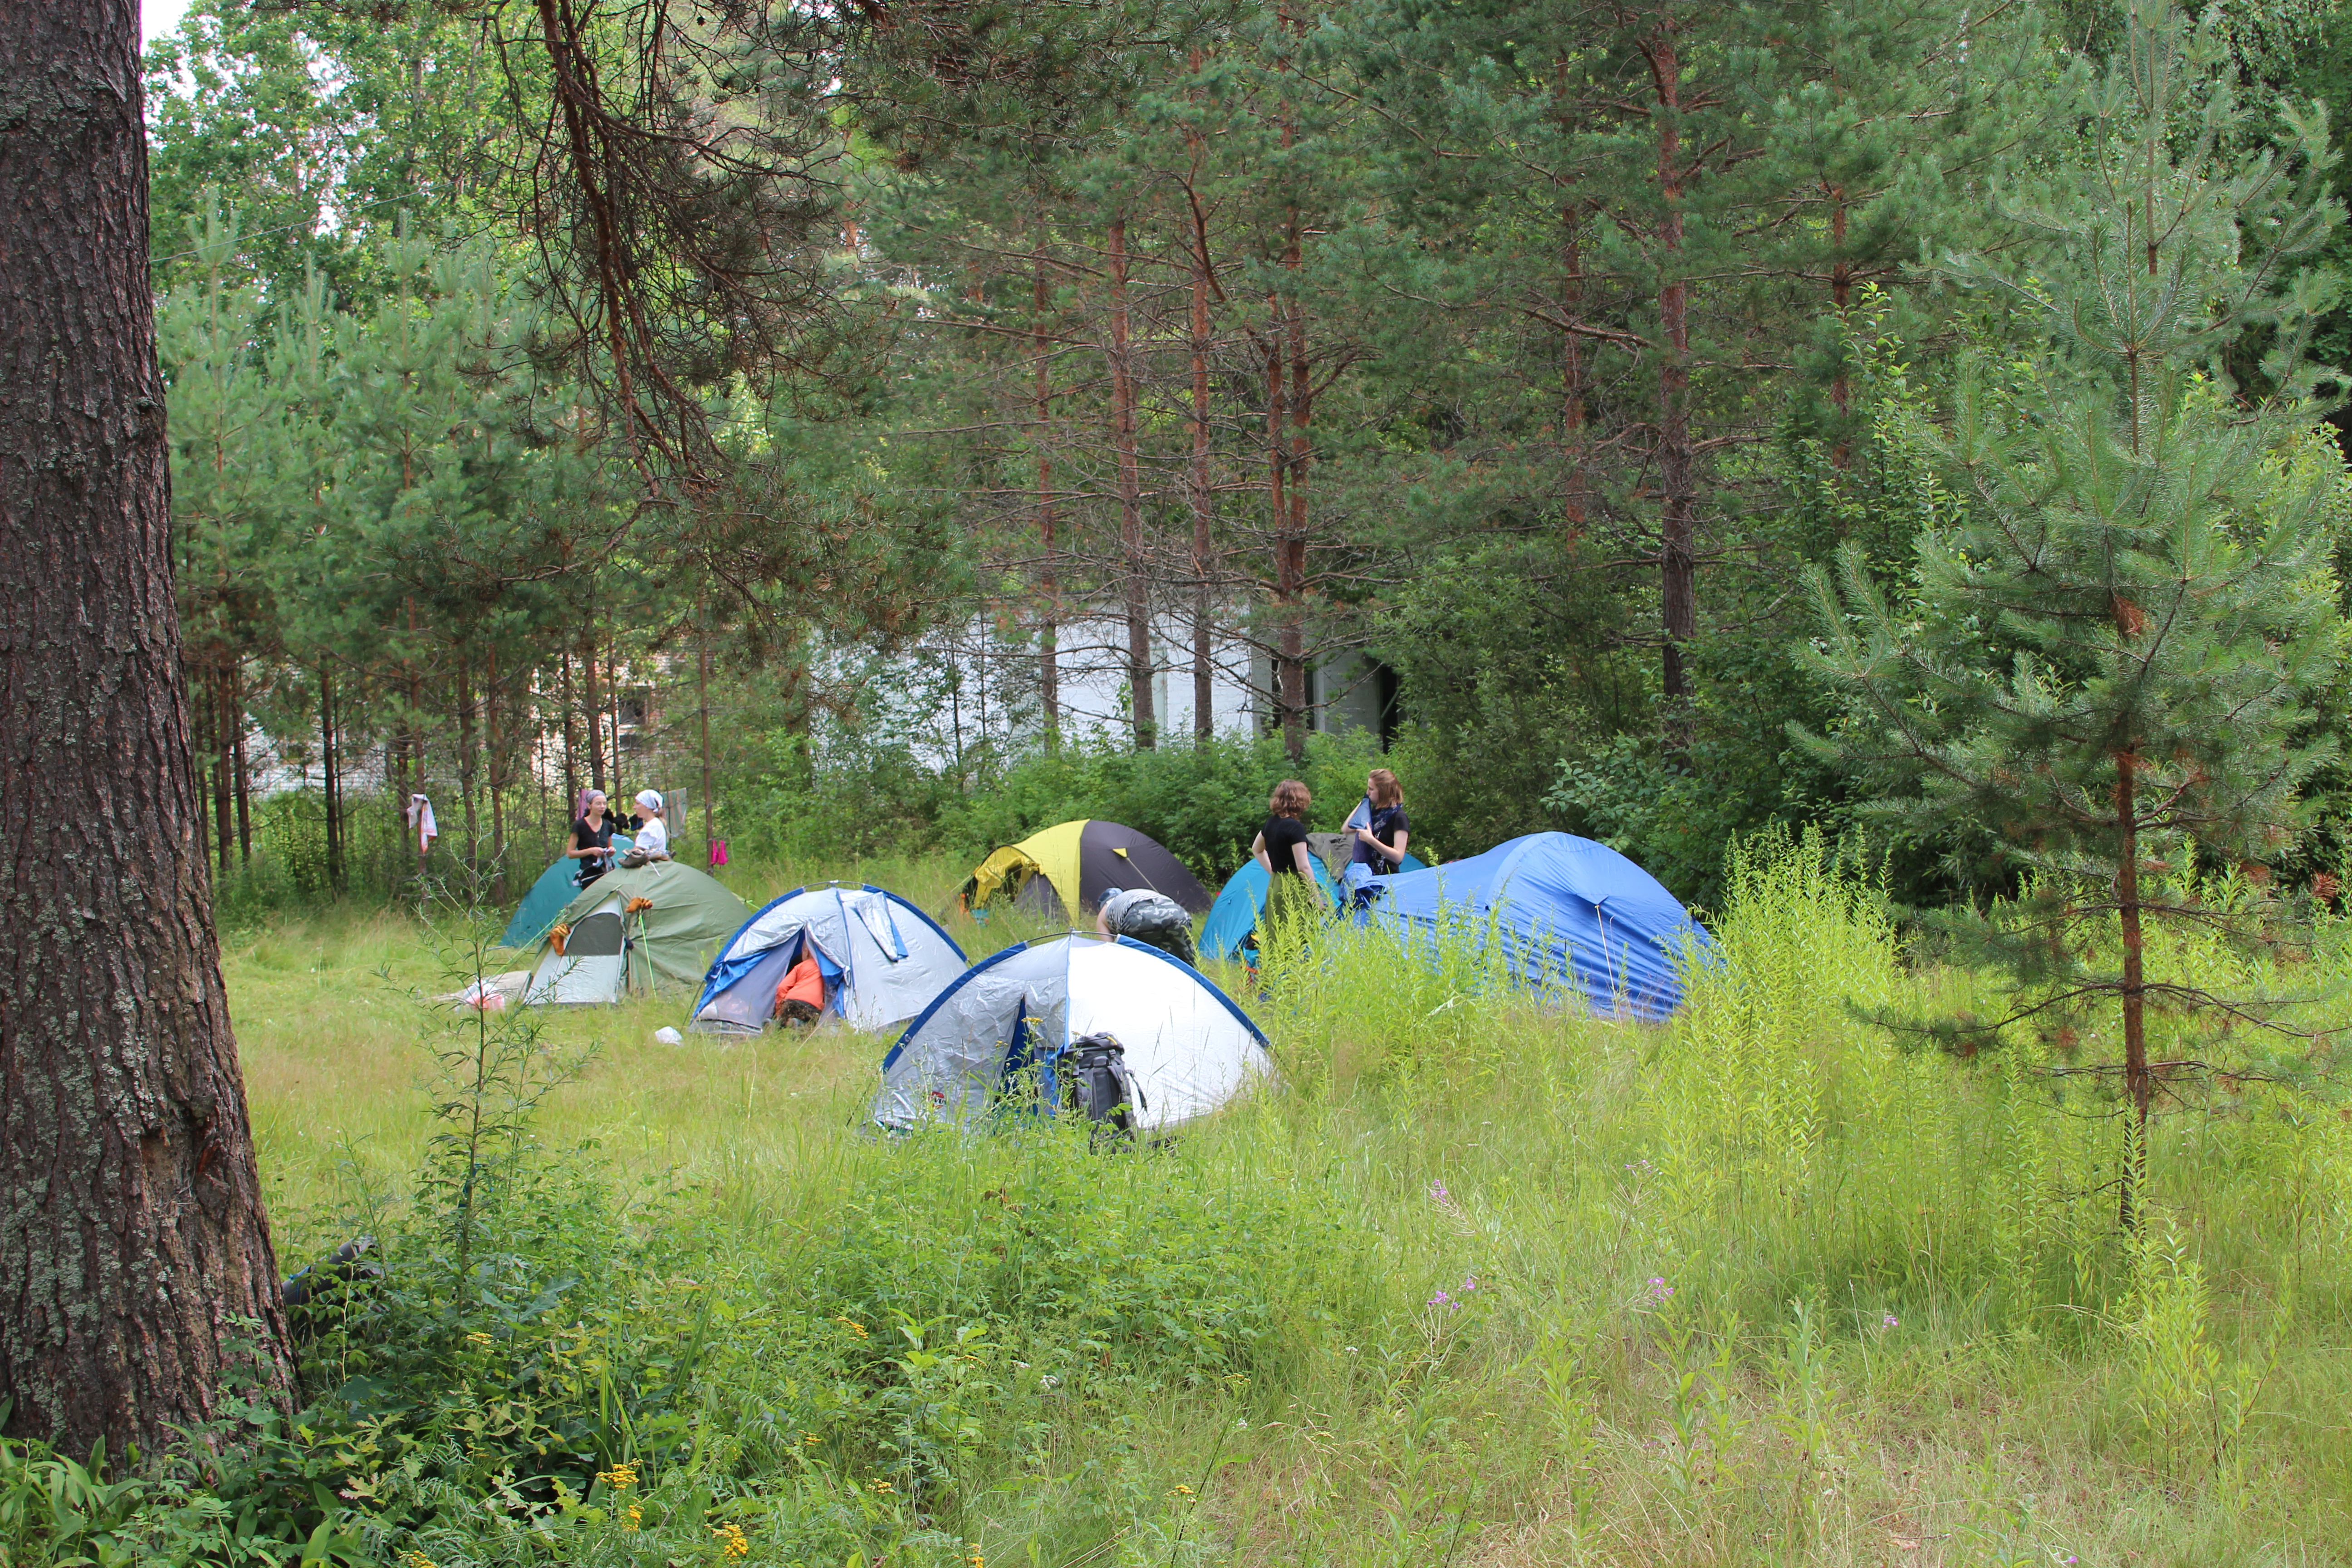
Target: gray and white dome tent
(882,959)
(1188,1048)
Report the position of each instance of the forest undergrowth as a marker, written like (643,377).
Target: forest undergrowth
(1478,1283)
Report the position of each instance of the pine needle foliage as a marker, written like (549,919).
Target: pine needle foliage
(2121,602)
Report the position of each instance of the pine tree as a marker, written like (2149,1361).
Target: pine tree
(133,1243)
(2123,598)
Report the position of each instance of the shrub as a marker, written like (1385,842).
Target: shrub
(857,795)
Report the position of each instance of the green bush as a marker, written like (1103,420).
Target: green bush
(853,798)
(859,797)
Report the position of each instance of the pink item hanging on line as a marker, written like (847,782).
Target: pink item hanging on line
(718,853)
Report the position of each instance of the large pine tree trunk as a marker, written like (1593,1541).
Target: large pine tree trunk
(1049,583)
(333,787)
(1676,457)
(199,740)
(1289,681)
(563,701)
(496,744)
(702,701)
(467,775)
(1198,489)
(224,792)
(1293,539)
(613,713)
(594,714)
(242,773)
(2137,1081)
(131,1231)
(1289,327)
(1137,577)
(1572,504)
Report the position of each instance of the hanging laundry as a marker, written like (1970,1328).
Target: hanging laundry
(422,829)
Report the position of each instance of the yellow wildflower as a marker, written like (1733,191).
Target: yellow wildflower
(634,1517)
(1181,1491)
(732,1542)
(620,1477)
(479,1338)
(415,1560)
(811,1438)
(976,1560)
(857,1329)
(884,1487)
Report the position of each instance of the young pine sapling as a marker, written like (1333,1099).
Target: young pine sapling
(2103,649)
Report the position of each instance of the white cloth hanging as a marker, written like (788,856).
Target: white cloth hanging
(421,826)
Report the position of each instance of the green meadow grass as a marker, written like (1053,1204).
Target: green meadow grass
(1481,1282)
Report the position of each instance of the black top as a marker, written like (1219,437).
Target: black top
(1388,821)
(599,837)
(1281,833)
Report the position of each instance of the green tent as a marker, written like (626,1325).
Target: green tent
(543,905)
(631,928)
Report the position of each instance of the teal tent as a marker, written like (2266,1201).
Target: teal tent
(557,886)
(1234,914)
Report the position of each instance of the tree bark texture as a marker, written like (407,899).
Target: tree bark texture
(571,734)
(243,774)
(613,700)
(1572,349)
(1294,536)
(1198,490)
(2137,1081)
(132,1239)
(1049,586)
(1572,370)
(702,700)
(224,792)
(495,775)
(468,775)
(1289,326)
(594,714)
(333,787)
(1136,580)
(1677,459)
(1290,672)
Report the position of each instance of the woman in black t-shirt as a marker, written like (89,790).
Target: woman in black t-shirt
(592,840)
(1281,848)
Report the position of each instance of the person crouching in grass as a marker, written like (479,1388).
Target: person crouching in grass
(1152,919)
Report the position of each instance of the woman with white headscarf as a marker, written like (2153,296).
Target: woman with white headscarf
(653,838)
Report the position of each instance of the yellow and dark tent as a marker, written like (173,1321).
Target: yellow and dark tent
(1064,872)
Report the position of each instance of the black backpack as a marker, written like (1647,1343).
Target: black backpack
(1097,1086)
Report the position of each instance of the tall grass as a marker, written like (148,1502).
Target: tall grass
(1481,1281)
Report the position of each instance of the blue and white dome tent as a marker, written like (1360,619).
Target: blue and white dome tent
(1571,914)
(882,958)
(1188,1047)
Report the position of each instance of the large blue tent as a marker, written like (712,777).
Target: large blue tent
(557,886)
(1571,914)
